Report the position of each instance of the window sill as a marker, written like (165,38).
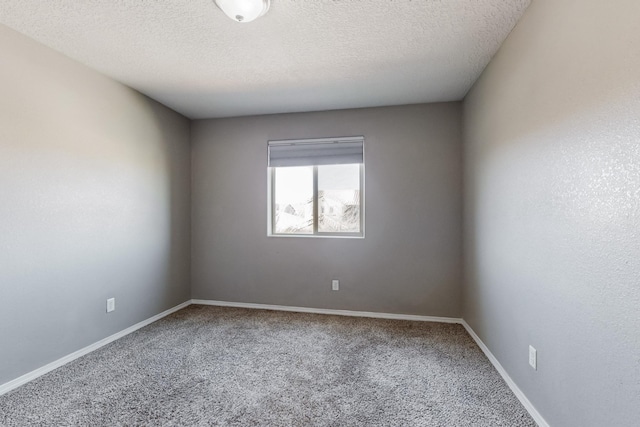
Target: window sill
(317,236)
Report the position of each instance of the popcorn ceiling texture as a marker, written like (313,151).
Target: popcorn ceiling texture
(301,56)
(212,366)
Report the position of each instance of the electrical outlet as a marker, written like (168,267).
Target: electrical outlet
(335,285)
(111,305)
(533,358)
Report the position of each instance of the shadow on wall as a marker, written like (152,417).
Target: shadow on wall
(553,209)
(91,206)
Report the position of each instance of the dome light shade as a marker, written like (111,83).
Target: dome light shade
(243,10)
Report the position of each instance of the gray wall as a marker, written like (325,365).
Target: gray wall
(94,203)
(410,259)
(552,209)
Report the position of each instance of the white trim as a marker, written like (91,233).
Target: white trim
(537,417)
(30,376)
(371,314)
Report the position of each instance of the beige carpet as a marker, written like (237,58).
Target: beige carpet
(212,366)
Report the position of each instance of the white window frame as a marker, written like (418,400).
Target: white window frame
(271,226)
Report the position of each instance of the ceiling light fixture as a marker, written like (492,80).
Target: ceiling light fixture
(243,10)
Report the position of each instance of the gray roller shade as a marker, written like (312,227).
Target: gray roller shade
(311,152)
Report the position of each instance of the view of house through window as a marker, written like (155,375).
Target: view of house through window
(339,198)
(316,188)
(293,191)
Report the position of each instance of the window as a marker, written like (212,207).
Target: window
(316,187)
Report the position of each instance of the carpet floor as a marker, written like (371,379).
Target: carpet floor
(214,366)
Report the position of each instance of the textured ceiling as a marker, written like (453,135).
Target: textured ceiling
(303,55)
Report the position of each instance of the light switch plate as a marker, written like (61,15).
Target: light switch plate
(111,305)
(533,358)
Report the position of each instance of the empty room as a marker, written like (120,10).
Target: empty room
(320,213)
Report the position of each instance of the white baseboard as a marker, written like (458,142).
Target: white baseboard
(371,314)
(6,387)
(30,376)
(512,385)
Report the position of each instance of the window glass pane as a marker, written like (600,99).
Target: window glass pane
(294,200)
(339,199)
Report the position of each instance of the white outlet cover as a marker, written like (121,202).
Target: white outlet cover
(335,285)
(111,305)
(533,358)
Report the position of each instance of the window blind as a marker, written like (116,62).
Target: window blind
(310,152)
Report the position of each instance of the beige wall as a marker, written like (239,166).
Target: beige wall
(409,261)
(94,203)
(552,209)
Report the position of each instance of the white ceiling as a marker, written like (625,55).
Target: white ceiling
(303,55)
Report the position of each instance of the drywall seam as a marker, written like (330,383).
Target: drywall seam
(505,376)
(351,313)
(30,376)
